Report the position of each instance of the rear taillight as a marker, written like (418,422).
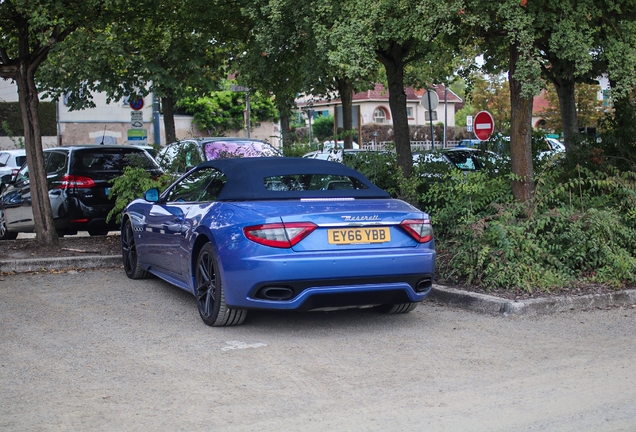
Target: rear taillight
(420,229)
(14,172)
(72,181)
(279,235)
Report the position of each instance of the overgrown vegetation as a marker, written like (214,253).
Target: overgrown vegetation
(131,185)
(580,226)
(223,112)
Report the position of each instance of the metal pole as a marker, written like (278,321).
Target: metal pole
(156,118)
(247,107)
(445,112)
(310,114)
(430,118)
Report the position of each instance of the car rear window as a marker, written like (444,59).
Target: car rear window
(20,160)
(312,182)
(87,161)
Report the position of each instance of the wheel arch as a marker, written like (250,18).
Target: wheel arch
(199,242)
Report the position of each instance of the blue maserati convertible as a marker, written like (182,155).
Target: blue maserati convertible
(280,233)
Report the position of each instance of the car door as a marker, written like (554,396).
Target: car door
(16,202)
(167,223)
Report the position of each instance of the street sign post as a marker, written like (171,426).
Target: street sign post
(138,136)
(430,100)
(136,102)
(136,120)
(484,125)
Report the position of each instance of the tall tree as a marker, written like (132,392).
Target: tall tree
(504,31)
(275,57)
(30,30)
(396,33)
(165,47)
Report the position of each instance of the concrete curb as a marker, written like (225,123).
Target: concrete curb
(62,263)
(449,296)
(486,304)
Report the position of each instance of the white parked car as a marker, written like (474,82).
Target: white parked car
(328,145)
(10,162)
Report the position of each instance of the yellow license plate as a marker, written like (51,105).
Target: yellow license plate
(347,236)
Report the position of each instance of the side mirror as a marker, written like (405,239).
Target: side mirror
(152,195)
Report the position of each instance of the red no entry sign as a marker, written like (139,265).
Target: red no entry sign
(484,125)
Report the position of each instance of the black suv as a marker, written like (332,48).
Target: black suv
(78,180)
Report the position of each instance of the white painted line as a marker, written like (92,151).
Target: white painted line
(234,345)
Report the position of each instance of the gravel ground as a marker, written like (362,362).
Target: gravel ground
(83,245)
(96,351)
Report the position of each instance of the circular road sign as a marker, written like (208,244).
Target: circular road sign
(136,102)
(434,100)
(483,125)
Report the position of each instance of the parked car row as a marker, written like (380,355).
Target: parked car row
(79,176)
(78,183)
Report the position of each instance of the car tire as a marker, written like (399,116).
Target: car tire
(129,253)
(4,233)
(209,292)
(400,308)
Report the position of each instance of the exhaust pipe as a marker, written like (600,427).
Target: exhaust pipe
(276,293)
(424,284)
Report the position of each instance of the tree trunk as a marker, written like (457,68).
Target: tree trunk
(41,204)
(567,103)
(345,88)
(393,61)
(520,135)
(167,103)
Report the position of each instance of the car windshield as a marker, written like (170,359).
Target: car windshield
(223,149)
(4,158)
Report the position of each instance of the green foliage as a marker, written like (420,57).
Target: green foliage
(11,119)
(131,185)
(379,167)
(322,127)
(222,112)
(582,229)
(297,150)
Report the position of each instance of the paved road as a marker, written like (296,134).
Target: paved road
(96,351)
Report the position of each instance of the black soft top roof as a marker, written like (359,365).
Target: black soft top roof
(245,178)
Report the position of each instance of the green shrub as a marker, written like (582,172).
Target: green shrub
(131,185)
(582,228)
(297,150)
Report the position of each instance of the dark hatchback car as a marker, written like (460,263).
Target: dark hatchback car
(79,184)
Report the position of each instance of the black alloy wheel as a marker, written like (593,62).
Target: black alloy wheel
(129,253)
(209,292)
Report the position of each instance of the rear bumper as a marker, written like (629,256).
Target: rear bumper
(319,281)
(82,217)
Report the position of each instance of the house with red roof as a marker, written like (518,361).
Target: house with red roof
(374,106)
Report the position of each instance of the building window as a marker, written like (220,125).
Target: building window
(379,115)
(427,115)
(409,112)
